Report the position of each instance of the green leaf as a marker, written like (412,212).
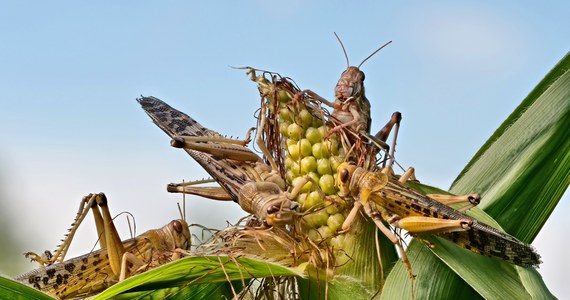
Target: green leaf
(363,276)
(522,172)
(10,289)
(434,280)
(214,290)
(197,271)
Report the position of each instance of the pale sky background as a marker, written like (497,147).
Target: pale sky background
(70,72)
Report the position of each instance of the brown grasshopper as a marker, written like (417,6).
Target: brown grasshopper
(257,187)
(351,108)
(116,260)
(384,198)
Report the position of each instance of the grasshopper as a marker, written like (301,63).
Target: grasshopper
(351,108)
(116,260)
(384,198)
(243,176)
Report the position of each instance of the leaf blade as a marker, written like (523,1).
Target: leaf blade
(198,270)
(512,169)
(522,170)
(11,289)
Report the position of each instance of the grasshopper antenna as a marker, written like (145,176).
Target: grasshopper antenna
(182,210)
(369,56)
(343,50)
(183,205)
(132,228)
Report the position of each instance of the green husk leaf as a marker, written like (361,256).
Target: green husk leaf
(10,289)
(521,172)
(366,271)
(341,287)
(488,277)
(200,270)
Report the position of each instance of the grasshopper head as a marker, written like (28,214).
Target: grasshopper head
(280,212)
(350,84)
(179,235)
(268,202)
(344,174)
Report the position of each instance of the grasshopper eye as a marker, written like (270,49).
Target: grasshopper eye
(177,226)
(343,175)
(273,209)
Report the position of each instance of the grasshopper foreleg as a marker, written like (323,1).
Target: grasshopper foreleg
(46,259)
(356,119)
(377,218)
(297,188)
(267,202)
(351,215)
(130,261)
(346,111)
(313,95)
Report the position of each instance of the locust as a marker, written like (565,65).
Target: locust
(242,175)
(384,198)
(351,108)
(365,181)
(116,260)
(257,186)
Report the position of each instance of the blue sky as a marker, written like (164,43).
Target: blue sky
(70,73)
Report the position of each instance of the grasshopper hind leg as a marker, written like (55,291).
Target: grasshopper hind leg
(194,188)
(87,203)
(383,134)
(470,200)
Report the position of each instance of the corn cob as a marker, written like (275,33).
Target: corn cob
(297,132)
